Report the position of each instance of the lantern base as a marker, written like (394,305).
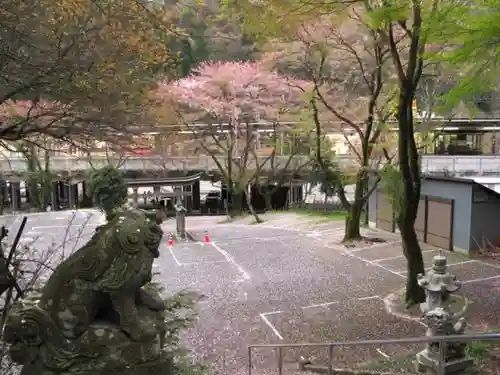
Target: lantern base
(429,363)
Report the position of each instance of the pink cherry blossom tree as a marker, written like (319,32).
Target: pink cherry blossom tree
(231,97)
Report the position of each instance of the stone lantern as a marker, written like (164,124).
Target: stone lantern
(438,283)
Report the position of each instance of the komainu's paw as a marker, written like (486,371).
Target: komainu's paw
(141,331)
(151,299)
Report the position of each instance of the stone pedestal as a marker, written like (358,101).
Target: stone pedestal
(429,362)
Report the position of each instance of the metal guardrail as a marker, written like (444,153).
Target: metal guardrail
(410,340)
(204,163)
(455,165)
(158,163)
(461,164)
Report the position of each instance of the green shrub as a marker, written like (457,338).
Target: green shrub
(107,188)
(180,315)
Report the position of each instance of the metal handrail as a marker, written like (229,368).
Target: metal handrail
(409,340)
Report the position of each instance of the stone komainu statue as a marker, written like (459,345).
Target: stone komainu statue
(97,313)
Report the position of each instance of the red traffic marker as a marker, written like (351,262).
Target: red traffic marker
(170,240)
(206,238)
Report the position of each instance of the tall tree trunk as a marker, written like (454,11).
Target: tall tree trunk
(268,199)
(410,173)
(414,261)
(409,74)
(352,222)
(46,184)
(248,195)
(35,176)
(235,208)
(355,209)
(33,192)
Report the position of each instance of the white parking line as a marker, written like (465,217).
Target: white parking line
(173,256)
(263,316)
(482,262)
(317,305)
(369,298)
(371,263)
(257,238)
(185,264)
(329,233)
(229,258)
(332,230)
(398,257)
(326,304)
(481,279)
(381,244)
(204,262)
(286,228)
(449,265)
(458,263)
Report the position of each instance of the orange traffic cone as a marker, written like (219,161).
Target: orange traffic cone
(206,238)
(170,240)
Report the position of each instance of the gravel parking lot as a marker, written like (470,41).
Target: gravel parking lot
(288,282)
(284,281)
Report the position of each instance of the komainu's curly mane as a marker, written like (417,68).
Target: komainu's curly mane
(112,257)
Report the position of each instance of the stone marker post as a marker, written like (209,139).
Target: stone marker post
(180,213)
(439,284)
